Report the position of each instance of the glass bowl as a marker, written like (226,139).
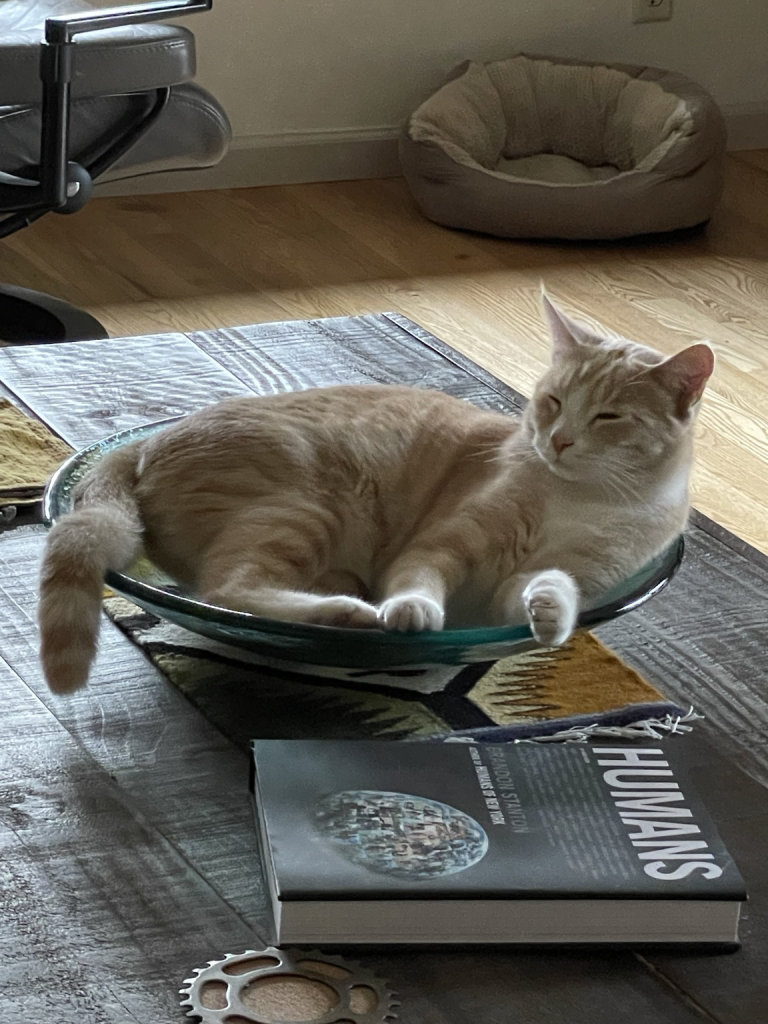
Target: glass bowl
(148,587)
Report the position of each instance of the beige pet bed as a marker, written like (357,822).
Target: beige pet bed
(534,147)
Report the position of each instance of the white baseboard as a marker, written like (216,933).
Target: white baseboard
(747,126)
(347,154)
(287,159)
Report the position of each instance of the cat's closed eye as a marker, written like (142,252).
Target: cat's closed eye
(554,402)
(604,416)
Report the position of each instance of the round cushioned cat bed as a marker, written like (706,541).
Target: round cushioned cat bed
(537,147)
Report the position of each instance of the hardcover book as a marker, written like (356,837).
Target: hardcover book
(386,842)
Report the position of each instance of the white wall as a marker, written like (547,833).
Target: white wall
(292,65)
(306,82)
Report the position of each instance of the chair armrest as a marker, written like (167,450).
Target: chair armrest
(57,55)
(64,29)
(58,186)
(122,58)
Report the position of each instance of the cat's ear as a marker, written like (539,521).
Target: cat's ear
(567,333)
(686,375)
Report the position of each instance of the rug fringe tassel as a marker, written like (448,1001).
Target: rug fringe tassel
(648,728)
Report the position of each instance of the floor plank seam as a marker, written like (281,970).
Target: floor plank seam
(682,995)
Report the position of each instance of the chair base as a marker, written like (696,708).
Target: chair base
(29,317)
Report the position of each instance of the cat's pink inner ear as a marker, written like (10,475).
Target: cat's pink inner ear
(567,334)
(686,374)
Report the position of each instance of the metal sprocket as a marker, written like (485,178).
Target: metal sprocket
(214,1004)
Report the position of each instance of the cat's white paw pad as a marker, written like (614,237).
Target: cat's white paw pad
(411,613)
(344,612)
(551,617)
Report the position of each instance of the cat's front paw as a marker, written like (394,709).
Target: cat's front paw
(344,612)
(411,613)
(551,605)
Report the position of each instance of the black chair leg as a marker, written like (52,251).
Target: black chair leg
(33,317)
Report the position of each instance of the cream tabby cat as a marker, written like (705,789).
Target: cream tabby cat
(393,507)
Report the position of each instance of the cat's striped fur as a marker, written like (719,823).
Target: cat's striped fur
(394,508)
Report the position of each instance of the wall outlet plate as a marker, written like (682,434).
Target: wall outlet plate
(651,10)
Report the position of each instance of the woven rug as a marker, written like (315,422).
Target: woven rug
(29,453)
(570,692)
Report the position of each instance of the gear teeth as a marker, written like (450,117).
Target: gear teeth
(287,964)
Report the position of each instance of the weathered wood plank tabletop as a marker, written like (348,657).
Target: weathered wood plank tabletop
(127,853)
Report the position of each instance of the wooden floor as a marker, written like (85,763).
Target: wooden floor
(200,260)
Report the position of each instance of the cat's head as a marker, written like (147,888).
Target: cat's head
(608,405)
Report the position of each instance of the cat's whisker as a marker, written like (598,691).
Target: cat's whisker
(506,456)
(624,485)
(615,479)
(491,452)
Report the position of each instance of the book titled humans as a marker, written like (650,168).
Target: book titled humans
(384,842)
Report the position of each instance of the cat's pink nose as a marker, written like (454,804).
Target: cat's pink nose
(560,442)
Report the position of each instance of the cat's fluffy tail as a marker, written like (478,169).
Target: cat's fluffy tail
(103,532)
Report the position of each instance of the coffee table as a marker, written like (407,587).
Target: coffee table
(127,852)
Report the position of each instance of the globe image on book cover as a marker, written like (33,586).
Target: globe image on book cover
(401,835)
